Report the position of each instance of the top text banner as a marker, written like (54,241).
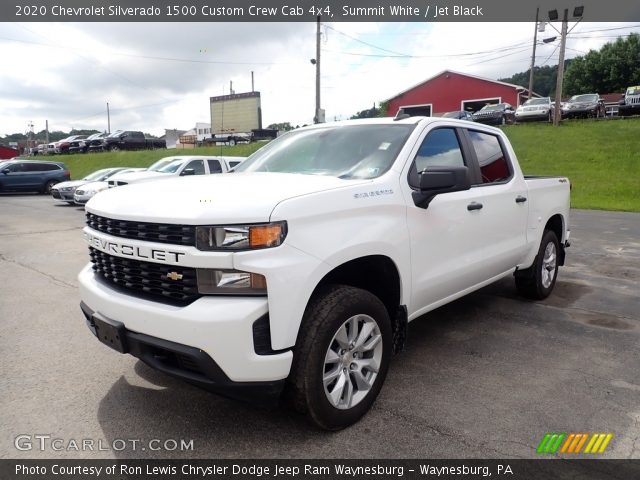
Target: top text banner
(309,10)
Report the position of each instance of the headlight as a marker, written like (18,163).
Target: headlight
(223,282)
(241,237)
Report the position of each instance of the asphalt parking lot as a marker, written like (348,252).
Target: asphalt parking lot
(484,377)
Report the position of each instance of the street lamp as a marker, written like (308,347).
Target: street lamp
(553,15)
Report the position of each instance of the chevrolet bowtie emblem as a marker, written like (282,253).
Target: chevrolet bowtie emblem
(174,276)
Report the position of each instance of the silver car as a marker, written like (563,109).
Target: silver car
(534,109)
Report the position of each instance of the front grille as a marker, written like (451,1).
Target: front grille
(146,279)
(150,232)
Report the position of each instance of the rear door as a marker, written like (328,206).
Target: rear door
(500,226)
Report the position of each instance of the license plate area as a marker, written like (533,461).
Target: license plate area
(111,333)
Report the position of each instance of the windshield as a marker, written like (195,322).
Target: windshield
(633,91)
(94,136)
(161,163)
(345,151)
(117,133)
(453,114)
(97,175)
(537,101)
(583,98)
(489,108)
(170,167)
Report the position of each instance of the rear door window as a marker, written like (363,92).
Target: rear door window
(214,166)
(494,166)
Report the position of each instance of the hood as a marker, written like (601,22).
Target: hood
(210,199)
(132,177)
(71,183)
(96,186)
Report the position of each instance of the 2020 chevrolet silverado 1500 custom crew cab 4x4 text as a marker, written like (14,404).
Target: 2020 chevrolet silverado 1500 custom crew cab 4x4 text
(300,271)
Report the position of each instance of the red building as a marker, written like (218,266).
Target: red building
(8,152)
(452,91)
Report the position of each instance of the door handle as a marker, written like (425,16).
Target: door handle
(474,206)
(521,199)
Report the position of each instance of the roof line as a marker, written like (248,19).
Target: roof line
(517,87)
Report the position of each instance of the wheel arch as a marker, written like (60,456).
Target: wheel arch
(557,225)
(379,275)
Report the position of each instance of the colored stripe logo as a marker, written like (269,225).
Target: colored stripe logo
(569,443)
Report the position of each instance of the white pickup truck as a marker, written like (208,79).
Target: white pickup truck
(177,166)
(299,272)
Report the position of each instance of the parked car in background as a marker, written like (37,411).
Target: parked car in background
(64,191)
(534,109)
(460,115)
(630,103)
(63,145)
(589,105)
(32,175)
(127,140)
(82,145)
(495,114)
(85,192)
(178,167)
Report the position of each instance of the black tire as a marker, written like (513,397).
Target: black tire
(325,316)
(537,281)
(48,186)
(114,148)
(232,141)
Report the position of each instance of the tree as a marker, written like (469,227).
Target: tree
(544,79)
(281,127)
(611,69)
(369,113)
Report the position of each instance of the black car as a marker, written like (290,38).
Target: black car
(32,175)
(460,115)
(495,114)
(82,145)
(589,105)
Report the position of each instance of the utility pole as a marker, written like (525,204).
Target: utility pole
(108,119)
(533,55)
(318,117)
(46,130)
(557,114)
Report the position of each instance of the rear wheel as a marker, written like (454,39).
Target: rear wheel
(538,281)
(342,356)
(115,148)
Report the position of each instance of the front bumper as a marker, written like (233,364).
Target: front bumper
(579,112)
(222,327)
(532,115)
(181,361)
(66,196)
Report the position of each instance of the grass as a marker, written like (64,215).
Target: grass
(601,158)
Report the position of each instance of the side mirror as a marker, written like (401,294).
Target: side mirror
(437,180)
(188,171)
(6,170)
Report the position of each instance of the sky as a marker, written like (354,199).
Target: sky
(158,76)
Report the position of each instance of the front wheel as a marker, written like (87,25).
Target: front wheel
(114,148)
(342,356)
(538,281)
